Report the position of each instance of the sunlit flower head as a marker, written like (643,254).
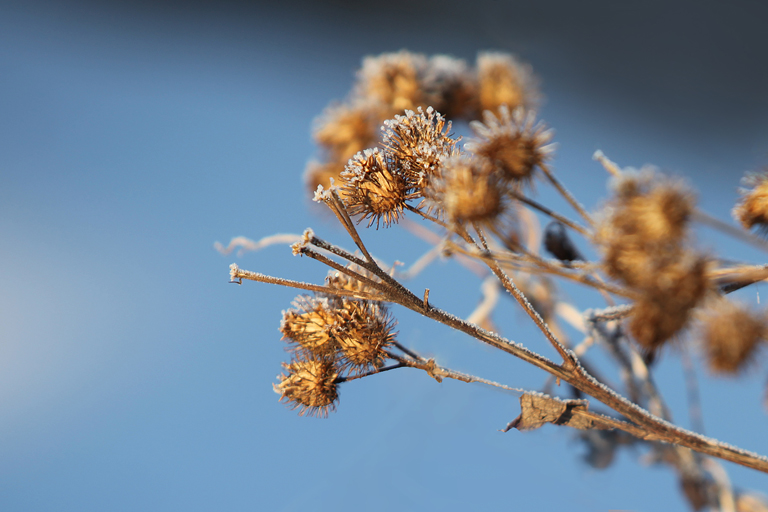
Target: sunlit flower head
(752,208)
(309,384)
(503,80)
(364,335)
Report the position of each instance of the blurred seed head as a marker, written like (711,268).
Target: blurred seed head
(468,191)
(450,87)
(503,80)
(731,334)
(752,208)
(395,79)
(513,141)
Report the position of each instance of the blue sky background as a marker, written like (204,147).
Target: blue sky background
(133,136)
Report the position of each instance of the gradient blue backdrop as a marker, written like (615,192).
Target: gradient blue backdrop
(133,136)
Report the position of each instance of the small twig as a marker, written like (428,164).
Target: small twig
(566,194)
(546,211)
(246,244)
(237,275)
(372,372)
(568,358)
(609,166)
(740,234)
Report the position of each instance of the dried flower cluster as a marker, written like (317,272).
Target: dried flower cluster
(477,204)
(391,83)
(645,242)
(330,337)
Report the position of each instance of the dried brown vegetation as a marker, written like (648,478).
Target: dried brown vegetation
(474,201)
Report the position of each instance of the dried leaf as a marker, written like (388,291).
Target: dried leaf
(538,409)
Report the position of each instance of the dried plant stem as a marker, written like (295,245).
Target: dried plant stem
(608,165)
(372,372)
(740,234)
(237,275)
(568,358)
(546,211)
(566,194)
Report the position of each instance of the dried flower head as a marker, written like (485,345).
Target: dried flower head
(418,142)
(752,208)
(731,334)
(503,80)
(652,208)
(468,191)
(364,335)
(372,187)
(667,299)
(513,141)
(346,128)
(643,234)
(309,325)
(450,87)
(309,384)
(394,79)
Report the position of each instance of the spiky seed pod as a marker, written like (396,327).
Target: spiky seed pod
(652,208)
(513,141)
(309,384)
(731,334)
(372,187)
(364,335)
(395,79)
(468,191)
(451,88)
(418,142)
(752,208)
(309,325)
(503,80)
(643,234)
(668,299)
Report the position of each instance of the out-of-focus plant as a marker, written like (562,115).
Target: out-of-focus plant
(388,151)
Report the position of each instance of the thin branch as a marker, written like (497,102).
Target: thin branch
(246,244)
(740,234)
(546,211)
(566,194)
(608,165)
(372,372)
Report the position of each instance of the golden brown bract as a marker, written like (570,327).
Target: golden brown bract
(364,335)
(309,384)
(373,188)
(513,141)
(308,326)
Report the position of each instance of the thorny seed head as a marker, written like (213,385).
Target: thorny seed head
(309,384)
(450,87)
(643,234)
(468,191)
(503,80)
(513,142)
(309,325)
(364,334)
(731,334)
(419,142)
(374,188)
(752,208)
(668,298)
(394,79)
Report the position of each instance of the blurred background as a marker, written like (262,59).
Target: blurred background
(135,135)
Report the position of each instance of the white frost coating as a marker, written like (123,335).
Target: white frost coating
(321,195)
(302,244)
(233,270)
